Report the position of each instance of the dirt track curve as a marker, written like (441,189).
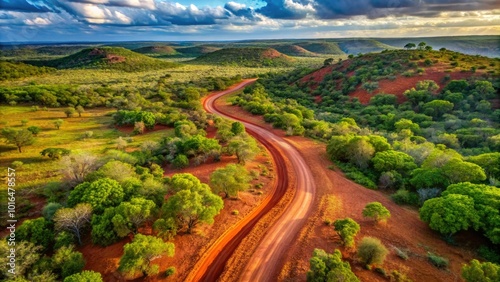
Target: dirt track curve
(264,264)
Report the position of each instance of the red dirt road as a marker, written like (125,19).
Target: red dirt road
(265,263)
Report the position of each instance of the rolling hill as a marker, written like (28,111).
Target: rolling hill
(116,58)
(394,71)
(248,57)
(196,51)
(157,50)
(294,50)
(356,46)
(329,48)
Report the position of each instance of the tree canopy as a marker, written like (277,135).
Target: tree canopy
(230,180)
(347,229)
(376,211)
(329,267)
(138,254)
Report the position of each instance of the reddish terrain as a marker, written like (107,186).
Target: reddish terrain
(338,197)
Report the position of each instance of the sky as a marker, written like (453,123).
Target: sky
(189,20)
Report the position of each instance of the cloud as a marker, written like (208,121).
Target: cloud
(143,4)
(23,6)
(287,9)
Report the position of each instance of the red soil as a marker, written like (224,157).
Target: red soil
(402,83)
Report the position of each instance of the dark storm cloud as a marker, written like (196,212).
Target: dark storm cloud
(338,9)
(377,8)
(23,6)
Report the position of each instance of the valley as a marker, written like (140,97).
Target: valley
(254,160)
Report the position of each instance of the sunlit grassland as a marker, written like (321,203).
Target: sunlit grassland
(38,170)
(146,78)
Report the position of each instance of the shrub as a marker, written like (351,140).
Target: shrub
(235,212)
(347,229)
(437,261)
(397,276)
(376,211)
(181,161)
(405,197)
(327,222)
(16,164)
(170,271)
(488,254)
(34,130)
(87,134)
(401,253)
(371,251)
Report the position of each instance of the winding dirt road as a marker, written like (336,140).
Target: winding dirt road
(265,263)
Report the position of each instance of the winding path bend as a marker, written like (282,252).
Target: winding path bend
(264,264)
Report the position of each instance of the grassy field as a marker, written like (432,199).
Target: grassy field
(38,170)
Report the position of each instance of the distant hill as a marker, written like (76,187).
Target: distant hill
(248,57)
(294,50)
(14,70)
(472,45)
(156,50)
(196,51)
(322,47)
(395,71)
(117,58)
(356,46)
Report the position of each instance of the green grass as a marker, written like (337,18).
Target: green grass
(37,170)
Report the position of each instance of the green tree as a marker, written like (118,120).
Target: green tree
(244,147)
(100,194)
(102,232)
(457,171)
(486,203)
(329,267)
(230,180)
(193,205)
(421,45)
(37,231)
(437,108)
(79,109)
(138,255)
(347,229)
(328,62)
(19,138)
(376,211)
(50,209)
(490,162)
(165,228)
(27,254)
(70,111)
(129,216)
(371,251)
(55,153)
(58,123)
(84,276)
(450,214)
(476,271)
(237,128)
(393,160)
(34,130)
(180,161)
(410,46)
(360,151)
(73,219)
(68,261)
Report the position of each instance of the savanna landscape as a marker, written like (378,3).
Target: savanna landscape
(302,152)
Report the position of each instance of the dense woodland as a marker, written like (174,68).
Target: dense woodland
(436,147)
